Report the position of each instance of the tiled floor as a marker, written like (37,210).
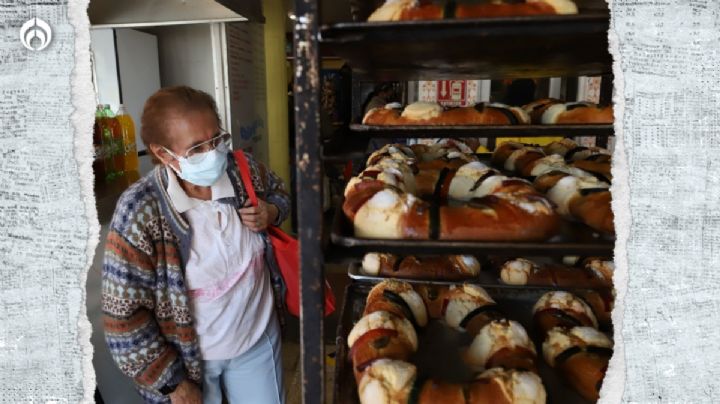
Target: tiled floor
(291,349)
(291,354)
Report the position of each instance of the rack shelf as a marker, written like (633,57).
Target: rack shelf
(484,131)
(499,48)
(516,303)
(513,47)
(345,147)
(489,276)
(574,239)
(353,143)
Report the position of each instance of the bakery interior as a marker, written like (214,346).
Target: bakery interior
(449,166)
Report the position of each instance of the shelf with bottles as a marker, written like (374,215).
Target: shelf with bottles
(115,163)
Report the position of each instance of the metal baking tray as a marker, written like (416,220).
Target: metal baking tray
(507,48)
(345,147)
(440,341)
(488,277)
(482,131)
(573,239)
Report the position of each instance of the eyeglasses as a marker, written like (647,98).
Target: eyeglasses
(197,153)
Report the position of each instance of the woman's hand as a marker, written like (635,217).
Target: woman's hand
(257,218)
(186,392)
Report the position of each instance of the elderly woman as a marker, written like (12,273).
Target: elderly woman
(187,297)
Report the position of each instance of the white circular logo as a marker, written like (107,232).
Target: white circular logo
(35,29)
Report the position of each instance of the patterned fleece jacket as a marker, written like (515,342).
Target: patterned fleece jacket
(147,316)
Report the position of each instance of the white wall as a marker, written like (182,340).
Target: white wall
(187,58)
(246,83)
(105,70)
(139,72)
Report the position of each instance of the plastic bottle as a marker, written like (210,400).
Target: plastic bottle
(98,155)
(108,145)
(113,134)
(131,163)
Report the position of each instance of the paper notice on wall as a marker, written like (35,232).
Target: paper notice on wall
(589,91)
(450,93)
(246,83)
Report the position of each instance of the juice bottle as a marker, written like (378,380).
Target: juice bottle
(114,135)
(131,164)
(106,138)
(98,155)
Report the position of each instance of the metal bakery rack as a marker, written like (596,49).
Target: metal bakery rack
(519,47)
(437,341)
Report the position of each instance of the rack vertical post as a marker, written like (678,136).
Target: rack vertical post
(309,199)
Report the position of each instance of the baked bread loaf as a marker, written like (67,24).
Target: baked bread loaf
(500,217)
(595,161)
(398,298)
(407,10)
(576,193)
(592,153)
(382,342)
(581,355)
(380,211)
(577,113)
(387,381)
(599,169)
(601,301)
(497,208)
(561,147)
(387,172)
(447,267)
(434,297)
(554,163)
(603,268)
(571,151)
(531,7)
(523,160)
(562,309)
(508,207)
(522,272)
(377,335)
(536,108)
(433,114)
(394,152)
(504,344)
(390,381)
(564,156)
(441,149)
(507,386)
(468,307)
(585,198)
(415,10)
(503,152)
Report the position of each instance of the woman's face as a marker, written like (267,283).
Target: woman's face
(185,130)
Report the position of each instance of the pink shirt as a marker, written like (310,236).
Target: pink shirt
(229,287)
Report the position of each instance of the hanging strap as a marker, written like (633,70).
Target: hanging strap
(245,175)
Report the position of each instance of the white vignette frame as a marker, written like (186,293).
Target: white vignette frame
(82,96)
(82,119)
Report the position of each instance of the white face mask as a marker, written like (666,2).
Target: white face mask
(204,169)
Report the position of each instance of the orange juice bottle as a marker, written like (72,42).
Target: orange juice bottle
(108,144)
(130,160)
(99,155)
(115,138)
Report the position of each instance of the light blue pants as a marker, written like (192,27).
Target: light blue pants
(255,377)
